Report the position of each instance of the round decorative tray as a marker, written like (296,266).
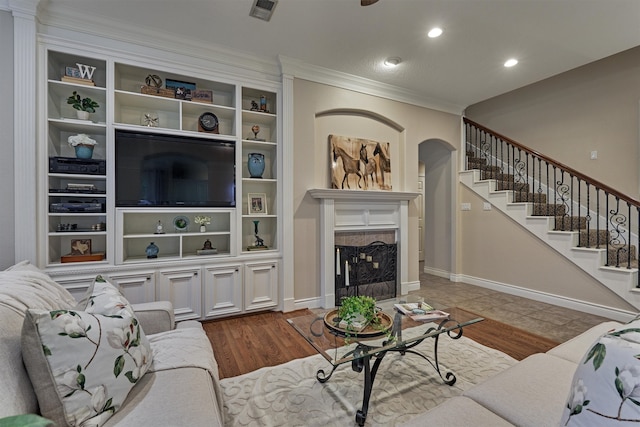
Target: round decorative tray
(181,223)
(370,331)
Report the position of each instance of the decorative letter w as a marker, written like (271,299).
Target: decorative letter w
(86,71)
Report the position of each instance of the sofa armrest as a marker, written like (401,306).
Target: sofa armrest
(155,316)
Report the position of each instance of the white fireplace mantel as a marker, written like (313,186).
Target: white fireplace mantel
(352,210)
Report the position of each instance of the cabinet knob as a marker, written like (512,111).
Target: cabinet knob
(195,273)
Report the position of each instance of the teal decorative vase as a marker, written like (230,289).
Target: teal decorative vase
(152,250)
(84,151)
(255,163)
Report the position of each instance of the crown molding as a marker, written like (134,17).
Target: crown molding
(65,21)
(20,7)
(342,80)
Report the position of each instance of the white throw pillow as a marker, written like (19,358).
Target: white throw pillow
(83,363)
(606,385)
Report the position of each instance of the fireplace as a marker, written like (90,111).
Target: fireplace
(365,269)
(370,216)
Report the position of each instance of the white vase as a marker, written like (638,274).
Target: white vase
(82,115)
(203,228)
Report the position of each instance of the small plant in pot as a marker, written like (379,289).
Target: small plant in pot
(84,106)
(83,145)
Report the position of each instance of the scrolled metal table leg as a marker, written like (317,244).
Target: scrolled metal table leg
(322,377)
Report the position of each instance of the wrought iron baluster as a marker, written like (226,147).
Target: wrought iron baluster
(562,192)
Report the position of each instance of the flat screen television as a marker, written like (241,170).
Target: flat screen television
(158,170)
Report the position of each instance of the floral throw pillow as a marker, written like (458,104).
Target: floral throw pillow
(104,298)
(83,363)
(606,386)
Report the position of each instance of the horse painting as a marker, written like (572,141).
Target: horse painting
(350,165)
(357,159)
(384,162)
(370,167)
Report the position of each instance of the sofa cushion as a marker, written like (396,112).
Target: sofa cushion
(24,286)
(606,385)
(575,349)
(174,397)
(84,363)
(530,393)
(459,411)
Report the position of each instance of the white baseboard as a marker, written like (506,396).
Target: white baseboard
(308,303)
(574,304)
(437,272)
(407,287)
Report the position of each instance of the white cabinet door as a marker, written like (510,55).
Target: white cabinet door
(222,294)
(183,287)
(260,285)
(137,287)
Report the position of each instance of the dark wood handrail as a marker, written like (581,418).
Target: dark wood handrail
(565,168)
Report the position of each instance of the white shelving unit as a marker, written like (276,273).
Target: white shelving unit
(122,234)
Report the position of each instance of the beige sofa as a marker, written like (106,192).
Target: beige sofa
(533,392)
(179,393)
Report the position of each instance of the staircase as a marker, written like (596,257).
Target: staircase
(587,222)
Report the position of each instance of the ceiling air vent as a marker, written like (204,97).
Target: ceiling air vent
(263,9)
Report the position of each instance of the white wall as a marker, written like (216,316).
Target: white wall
(7,238)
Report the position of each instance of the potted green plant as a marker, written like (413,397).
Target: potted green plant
(84,106)
(356,312)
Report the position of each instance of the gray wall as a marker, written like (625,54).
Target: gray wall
(7,238)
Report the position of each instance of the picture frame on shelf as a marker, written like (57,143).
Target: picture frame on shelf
(257,203)
(202,95)
(183,90)
(80,247)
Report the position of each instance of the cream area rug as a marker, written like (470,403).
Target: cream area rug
(405,386)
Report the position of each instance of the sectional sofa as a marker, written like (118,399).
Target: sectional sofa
(590,380)
(54,350)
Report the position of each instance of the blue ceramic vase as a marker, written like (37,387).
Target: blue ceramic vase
(84,151)
(152,250)
(255,163)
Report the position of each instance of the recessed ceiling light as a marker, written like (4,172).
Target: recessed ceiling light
(435,32)
(394,61)
(511,62)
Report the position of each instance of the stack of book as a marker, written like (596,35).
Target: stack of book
(78,80)
(421,311)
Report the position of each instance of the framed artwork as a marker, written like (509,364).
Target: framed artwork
(81,247)
(359,164)
(183,89)
(257,203)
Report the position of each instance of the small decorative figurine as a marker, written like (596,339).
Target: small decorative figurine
(159,228)
(207,249)
(254,105)
(259,243)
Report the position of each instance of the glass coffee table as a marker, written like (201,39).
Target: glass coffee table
(339,347)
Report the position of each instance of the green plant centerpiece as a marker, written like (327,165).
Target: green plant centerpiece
(82,104)
(356,312)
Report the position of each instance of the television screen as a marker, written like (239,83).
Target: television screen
(166,170)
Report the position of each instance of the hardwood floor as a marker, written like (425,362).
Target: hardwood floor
(246,343)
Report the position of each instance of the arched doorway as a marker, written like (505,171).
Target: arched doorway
(439,236)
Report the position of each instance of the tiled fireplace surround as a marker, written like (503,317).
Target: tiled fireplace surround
(353,217)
